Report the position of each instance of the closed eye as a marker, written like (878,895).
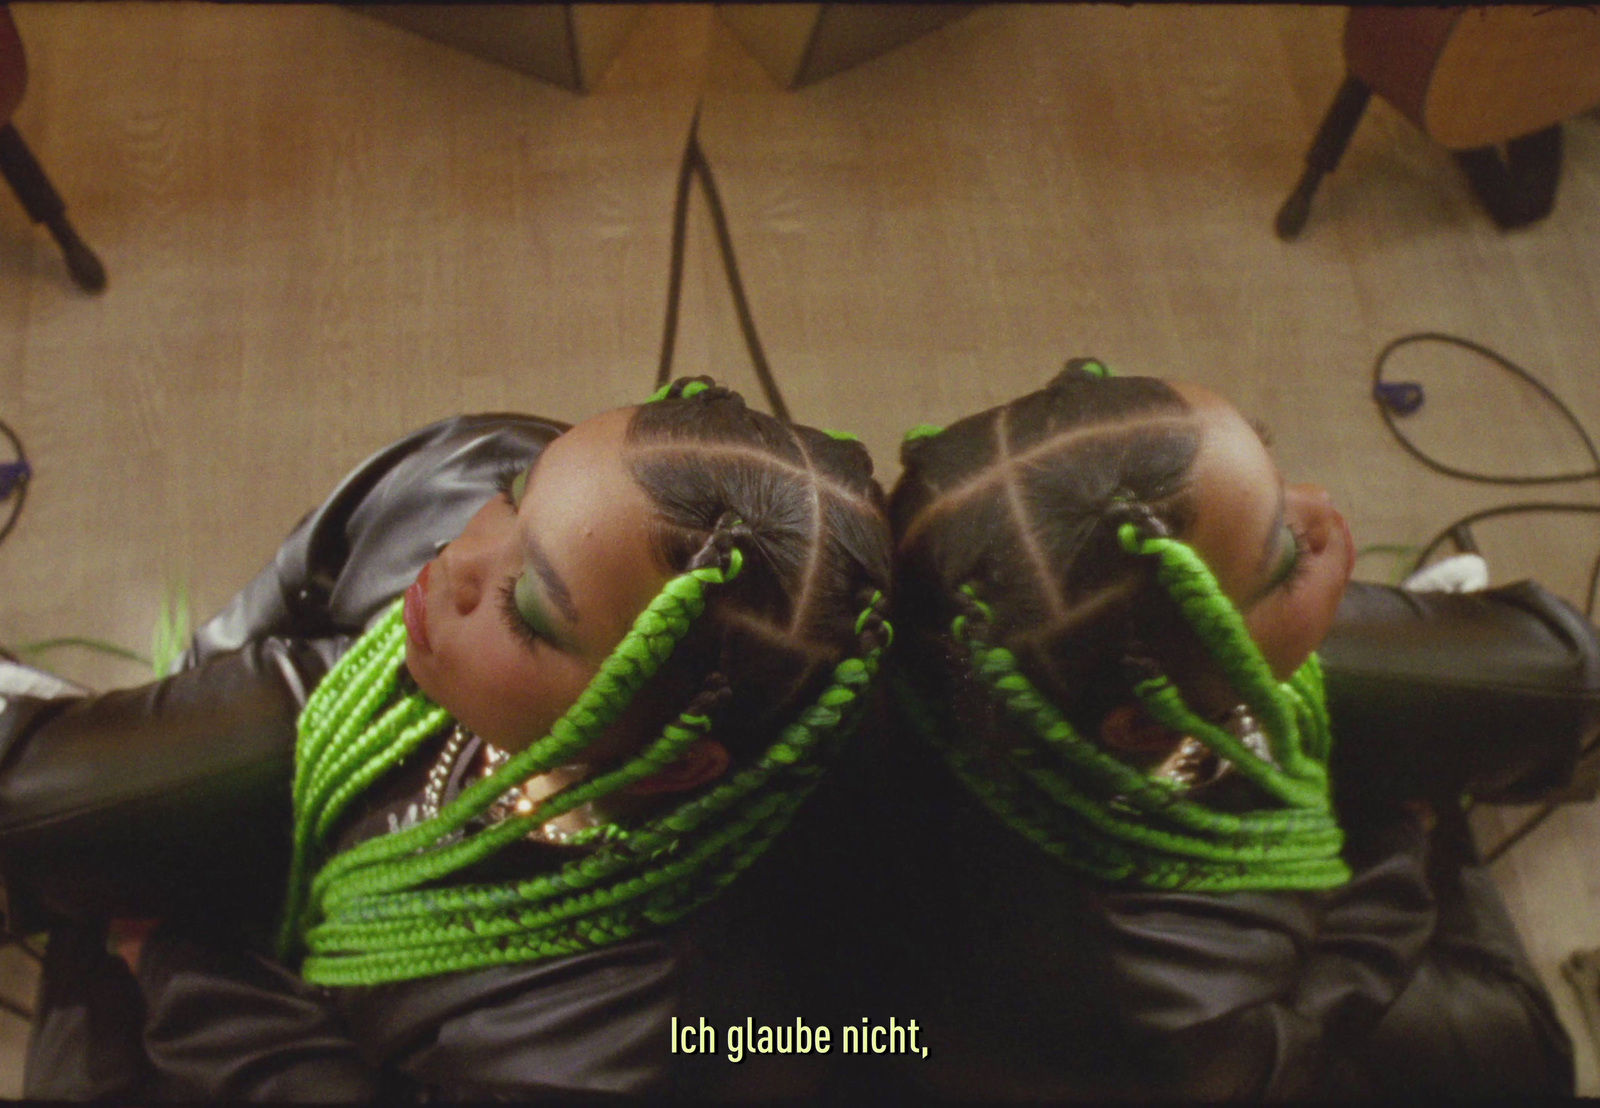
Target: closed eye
(505,482)
(519,626)
(1301,564)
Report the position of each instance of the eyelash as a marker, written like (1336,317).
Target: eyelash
(504,482)
(505,479)
(1302,560)
(519,626)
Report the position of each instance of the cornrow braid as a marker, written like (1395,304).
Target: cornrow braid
(1026,499)
(404,905)
(1118,576)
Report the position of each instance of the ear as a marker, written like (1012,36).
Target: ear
(1128,729)
(705,760)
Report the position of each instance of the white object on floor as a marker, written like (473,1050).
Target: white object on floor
(1457,573)
(17,679)
(1582,971)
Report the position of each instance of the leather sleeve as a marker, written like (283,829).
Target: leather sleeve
(225,1025)
(355,553)
(1434,695)
(1034,983)
(585,1025)
(1308,978)
(141,800)
(136,800)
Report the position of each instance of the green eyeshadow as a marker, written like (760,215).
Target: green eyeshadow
(530,608)
(1290,557)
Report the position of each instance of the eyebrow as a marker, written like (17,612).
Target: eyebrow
(1269,551)
(555,588)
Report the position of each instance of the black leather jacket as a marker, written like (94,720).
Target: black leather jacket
(172,800)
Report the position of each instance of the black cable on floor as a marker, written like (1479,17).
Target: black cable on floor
(680,226)
(14,477)
(13,480)
(1396,400)
(694,166)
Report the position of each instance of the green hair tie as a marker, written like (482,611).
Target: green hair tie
(923,431)
(681,389)
(873,603)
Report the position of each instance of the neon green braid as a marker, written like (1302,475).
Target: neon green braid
(397,906)
(1104,818)
(367,868)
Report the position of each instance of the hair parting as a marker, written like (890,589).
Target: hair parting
(1039,570)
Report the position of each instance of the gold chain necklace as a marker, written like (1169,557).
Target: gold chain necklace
(513,802)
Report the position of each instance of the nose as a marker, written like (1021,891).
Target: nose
(468,564)
(1311,508)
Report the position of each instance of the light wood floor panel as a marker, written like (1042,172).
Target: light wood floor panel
(322,231)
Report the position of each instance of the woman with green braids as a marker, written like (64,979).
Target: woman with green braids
(1141,868)
(444,803)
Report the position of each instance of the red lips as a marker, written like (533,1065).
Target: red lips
(416,609)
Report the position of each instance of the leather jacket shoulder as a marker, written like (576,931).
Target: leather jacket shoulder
(364,544)
(148,800)
(1495,694)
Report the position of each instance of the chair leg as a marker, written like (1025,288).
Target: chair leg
(44,205)
(1520,188)
(1323,157)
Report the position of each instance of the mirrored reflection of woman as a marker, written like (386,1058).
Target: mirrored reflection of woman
(1146,863)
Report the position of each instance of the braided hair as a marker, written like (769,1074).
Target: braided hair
(769,635)
(1043,588)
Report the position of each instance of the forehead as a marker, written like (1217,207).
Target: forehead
(588,442)
(588,515)
(1237,495)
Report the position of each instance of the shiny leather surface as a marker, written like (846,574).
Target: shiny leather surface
(1031,983)
(1434,695)
(151,799)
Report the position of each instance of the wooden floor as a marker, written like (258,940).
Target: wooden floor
(322,231)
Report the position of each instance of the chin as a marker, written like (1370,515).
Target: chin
(422,677)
